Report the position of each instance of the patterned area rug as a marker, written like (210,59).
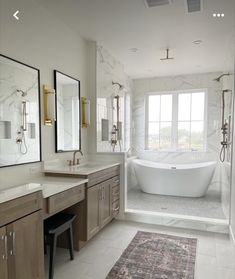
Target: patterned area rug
(156,256)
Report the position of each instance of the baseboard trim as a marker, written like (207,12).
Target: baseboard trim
(231,234)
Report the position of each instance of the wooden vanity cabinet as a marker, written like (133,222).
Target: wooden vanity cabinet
(102,200)
(105,204)
(3,253)
(93,208)
(99,203)
(21,246)
(99,210)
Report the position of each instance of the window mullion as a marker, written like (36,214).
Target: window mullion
(147,122)
(190,123)
(174,135)
(160,120)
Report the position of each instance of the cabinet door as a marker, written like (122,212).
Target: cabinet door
(93,198)
(3,253)
(25,246)
(105,204)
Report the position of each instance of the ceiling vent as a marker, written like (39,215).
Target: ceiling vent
(156,3)
(194,6)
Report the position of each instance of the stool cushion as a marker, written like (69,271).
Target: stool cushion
(57,222)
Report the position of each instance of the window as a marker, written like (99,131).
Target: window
(176,121)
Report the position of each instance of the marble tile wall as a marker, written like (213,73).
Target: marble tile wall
(143,86)
(110,70)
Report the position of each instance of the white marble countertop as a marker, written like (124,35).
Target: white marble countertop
(52,185)
(48,185)
(83,169)
(19,191)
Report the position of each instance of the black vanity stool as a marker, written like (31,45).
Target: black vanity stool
(53,227)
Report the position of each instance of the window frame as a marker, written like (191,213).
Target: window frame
(175,121)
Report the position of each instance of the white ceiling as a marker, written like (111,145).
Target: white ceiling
(120,25)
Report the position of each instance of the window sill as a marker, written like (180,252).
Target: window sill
(174,151)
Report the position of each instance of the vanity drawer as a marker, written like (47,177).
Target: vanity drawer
(115,208)
(103,175)
(65,199)
(20,207)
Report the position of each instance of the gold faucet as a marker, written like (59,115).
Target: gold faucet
(74,162)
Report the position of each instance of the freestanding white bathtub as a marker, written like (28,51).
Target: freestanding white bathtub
(185,180)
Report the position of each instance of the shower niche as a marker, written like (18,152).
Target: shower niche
(19,113)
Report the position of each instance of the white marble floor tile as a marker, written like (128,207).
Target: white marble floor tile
(208,206)
(215,253)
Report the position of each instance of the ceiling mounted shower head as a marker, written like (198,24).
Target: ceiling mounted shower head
(167,56)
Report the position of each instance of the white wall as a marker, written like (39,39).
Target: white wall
(43,41)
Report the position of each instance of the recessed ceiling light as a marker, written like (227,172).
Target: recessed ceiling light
(133,49)
(218,15)
(197,42)
(214,15)
(222,15)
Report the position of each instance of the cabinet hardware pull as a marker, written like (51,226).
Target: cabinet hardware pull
(103,193)
(100,194)
(4,239)
(12,252)
(5,242)
(14,247)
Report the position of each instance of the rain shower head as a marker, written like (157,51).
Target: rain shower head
(227,90)
(167,56)
(219,78)
(121,87)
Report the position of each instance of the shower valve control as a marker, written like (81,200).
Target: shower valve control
(18,140)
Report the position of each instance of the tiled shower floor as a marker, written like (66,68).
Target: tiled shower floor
(208,206)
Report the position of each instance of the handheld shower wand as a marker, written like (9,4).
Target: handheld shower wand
(224,128)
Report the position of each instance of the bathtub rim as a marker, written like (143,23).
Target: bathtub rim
(171,166)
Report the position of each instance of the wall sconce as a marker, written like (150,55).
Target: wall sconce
(49,105)
(85,112)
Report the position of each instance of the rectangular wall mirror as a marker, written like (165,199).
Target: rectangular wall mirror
(68,120)
(19,113)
